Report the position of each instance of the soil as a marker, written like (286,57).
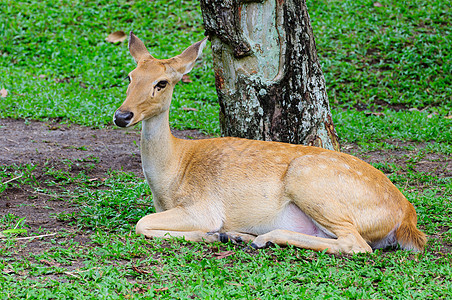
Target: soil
(46,145)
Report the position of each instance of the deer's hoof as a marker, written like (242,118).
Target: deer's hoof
(223,237)
(266,245)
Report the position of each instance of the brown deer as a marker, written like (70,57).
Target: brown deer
(236,189)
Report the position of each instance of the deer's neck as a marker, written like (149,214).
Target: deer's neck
(157,147)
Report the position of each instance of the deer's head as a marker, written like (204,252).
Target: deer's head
(152,82)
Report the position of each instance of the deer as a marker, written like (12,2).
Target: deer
(250,191)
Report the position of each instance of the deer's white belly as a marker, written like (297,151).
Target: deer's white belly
(294,219)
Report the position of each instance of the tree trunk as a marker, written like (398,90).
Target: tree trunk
(268,78)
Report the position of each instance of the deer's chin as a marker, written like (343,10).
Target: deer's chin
(134,122)
(131,124)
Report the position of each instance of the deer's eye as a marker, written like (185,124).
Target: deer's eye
(161,85)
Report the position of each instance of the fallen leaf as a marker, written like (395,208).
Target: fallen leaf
(42,76)
(63,80)
(50,263)
(413,109)
(93,179)
(234,283)
(161,289)
(186,78)
(378,114)
(116,37)
(140,271)
(189,109)
(3,93)
(378,4)
(139,290)
(431,115)
(448,117)
(223,254)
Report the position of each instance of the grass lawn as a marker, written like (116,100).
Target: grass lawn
(388,69)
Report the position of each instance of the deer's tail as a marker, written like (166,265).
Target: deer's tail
(408,236)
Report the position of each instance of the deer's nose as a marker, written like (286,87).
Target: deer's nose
(122,118)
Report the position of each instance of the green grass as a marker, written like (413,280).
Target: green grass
(395,54)
(56,64)
(369,130)
(292,274)
(113,263)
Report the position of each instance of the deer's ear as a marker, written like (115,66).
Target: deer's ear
(137,48)
(185,61)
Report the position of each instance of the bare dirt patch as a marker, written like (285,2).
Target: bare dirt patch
(25,142)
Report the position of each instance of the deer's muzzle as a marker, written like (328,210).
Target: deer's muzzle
(122,118)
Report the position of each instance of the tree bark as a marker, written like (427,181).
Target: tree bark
(268,78)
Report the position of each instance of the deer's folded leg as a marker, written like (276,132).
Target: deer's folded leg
(351,243)
(177,222)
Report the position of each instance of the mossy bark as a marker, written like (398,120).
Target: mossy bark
(268,78)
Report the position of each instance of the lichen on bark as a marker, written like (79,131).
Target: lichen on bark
(268,78)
